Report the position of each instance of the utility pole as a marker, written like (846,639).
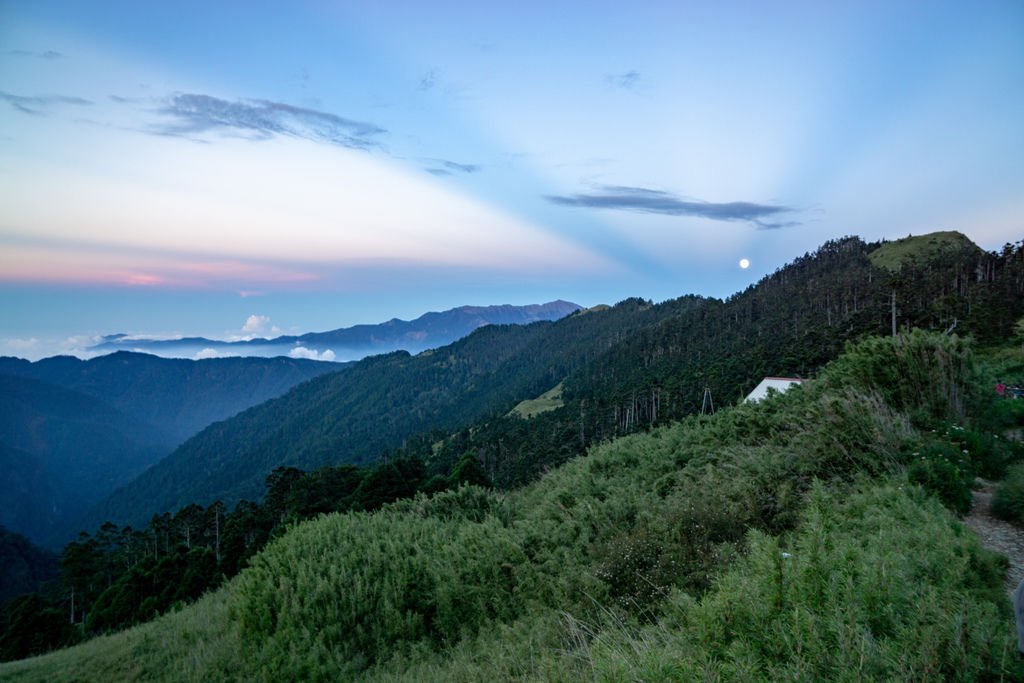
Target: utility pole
(894,312)
(708,404)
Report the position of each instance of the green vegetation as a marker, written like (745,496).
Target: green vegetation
(116,578)
(549,400)
(1008,501)
(773,541)
(892,255)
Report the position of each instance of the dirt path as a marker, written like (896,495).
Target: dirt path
(997,535)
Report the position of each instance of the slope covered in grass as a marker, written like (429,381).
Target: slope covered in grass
(892,255)
(770,541)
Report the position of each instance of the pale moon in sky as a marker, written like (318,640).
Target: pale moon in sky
(744,263)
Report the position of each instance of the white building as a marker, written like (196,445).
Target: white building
(779,384)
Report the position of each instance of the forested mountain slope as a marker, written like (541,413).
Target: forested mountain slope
(748,545)
(61,451)
(180,397)
(24,567)
(375,405)
(789,324)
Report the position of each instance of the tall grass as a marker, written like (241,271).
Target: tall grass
(877,582)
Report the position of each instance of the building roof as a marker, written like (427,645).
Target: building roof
(780,384)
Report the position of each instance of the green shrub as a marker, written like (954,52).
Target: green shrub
(1008,501)
(942,478)
(338,594)
(877,585)
(925,374)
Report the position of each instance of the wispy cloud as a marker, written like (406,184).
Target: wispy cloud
(38,104)
(44,54)
(627,80)
(445,167)
(428,81)
(655,201)
(21,344)
(464,168)
(192,114)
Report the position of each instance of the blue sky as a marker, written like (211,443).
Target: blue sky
(176,168)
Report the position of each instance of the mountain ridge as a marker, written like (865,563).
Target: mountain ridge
(430,330)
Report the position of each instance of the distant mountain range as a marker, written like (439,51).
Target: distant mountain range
(71,431)
(428,331)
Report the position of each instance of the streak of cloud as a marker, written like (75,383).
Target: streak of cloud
(645,200)
(446,168)
(627,80)
(43,54)
(464,168)
(192,114)
(38,104)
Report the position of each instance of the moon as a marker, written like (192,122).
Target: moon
(744,263)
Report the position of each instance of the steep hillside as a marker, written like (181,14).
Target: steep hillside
(24,567)
(376,405)
(790,324)
(799,538)
(61,451)
(180,397)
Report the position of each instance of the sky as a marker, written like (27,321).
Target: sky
(188,168)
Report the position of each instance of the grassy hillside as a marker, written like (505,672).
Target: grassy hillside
(799,538)
(892,255)
(549,400)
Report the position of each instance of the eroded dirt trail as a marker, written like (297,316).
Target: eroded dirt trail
(997,535)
